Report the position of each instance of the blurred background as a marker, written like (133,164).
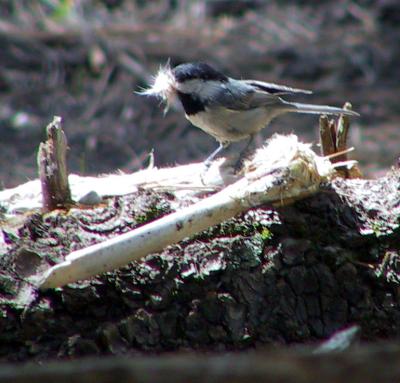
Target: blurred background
(83,60)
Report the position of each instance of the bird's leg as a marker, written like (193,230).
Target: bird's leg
(244,153)
(222,146)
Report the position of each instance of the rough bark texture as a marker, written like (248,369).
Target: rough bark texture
(284,276)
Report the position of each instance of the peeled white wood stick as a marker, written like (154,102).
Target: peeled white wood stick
(283,170)
(28,196)
(150,238)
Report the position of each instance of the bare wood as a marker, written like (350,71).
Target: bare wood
(332,127)
(342,131)
(184,180)
(333,142)
(326,138)
(53,168)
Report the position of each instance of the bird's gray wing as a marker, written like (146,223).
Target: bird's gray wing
(237,95)
(276,89)
(249,94)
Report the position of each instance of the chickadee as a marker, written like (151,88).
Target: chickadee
(227,109)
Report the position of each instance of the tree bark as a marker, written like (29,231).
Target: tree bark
(284,275)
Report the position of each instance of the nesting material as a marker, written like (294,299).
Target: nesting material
(162,86)
(279,173)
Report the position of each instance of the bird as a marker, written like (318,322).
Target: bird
(228,109)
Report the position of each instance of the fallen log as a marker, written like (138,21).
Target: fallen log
(291,270)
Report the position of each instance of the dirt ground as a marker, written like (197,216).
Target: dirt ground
(82,60)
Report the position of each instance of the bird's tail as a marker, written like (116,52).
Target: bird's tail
(317,109)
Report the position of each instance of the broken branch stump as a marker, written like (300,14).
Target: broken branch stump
(52,165)
(333,140)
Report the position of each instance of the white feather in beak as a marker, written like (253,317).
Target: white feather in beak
(163,86)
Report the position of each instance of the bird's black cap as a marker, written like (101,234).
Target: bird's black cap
(197,71)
